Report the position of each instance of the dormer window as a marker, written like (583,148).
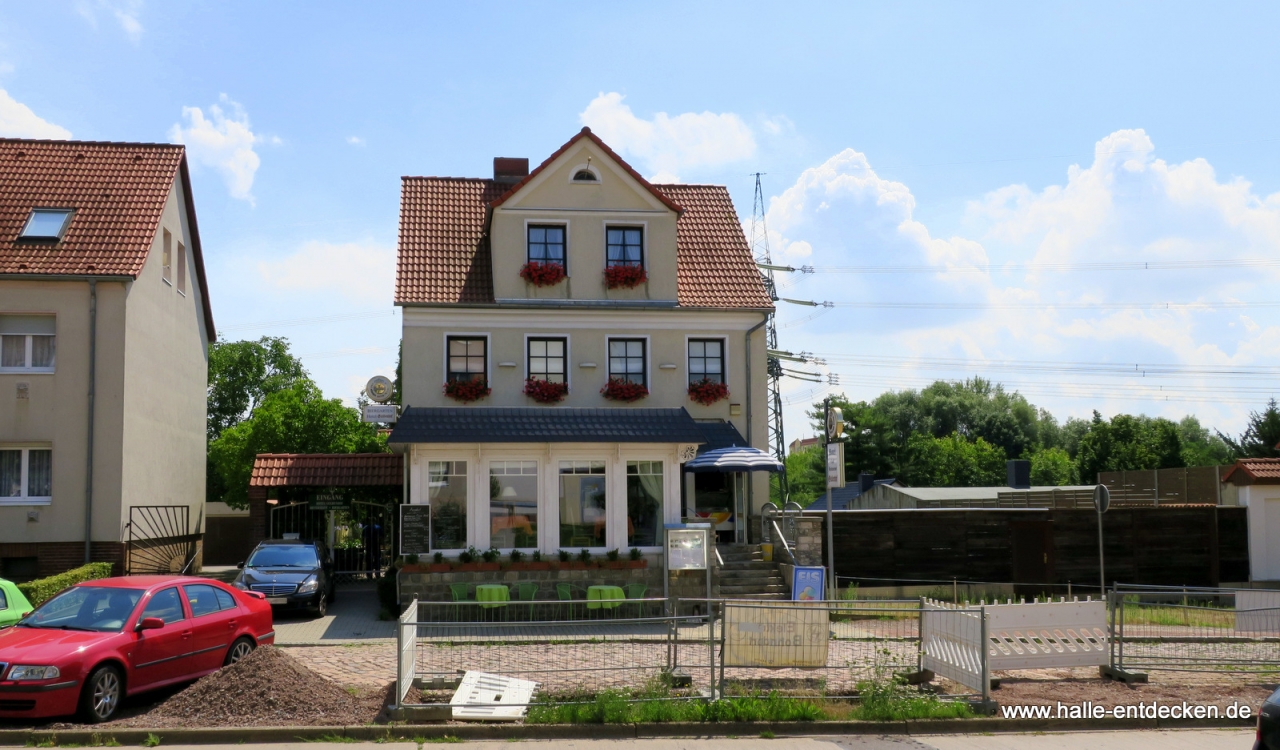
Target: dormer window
(46,224)
(624,246)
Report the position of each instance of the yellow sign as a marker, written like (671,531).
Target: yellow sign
(775,636)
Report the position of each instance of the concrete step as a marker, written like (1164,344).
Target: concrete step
(729,575)
(748,565)
(727,589)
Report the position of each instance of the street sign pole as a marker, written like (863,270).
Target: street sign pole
(1101,501)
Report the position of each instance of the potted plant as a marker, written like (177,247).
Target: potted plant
(707,391)
(580,560)
(618,389)
(468,559)
(624,276)
(536,562)
(467,391)
(517,560)
(637,559)
(438,565)
(545,391)
(563,558)
(411,565)
(614,560)
(490,558)
(541,273)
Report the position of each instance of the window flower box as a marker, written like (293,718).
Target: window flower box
(545,391)
(415,568)
(439,568)
(635,564)
(542,274)
(707,391)
(467,391)
(618,389)
(624,276)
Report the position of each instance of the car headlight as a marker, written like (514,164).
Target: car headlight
(311,584)
(240,585)
(24,672)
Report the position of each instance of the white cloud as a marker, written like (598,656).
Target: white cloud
(18,121)
(363,272)
(1127,205)
(224,142)
(666,145)
(355,140)
(125,12)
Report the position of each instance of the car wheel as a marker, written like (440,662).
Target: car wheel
(102,694)
(322,605)
(240,649)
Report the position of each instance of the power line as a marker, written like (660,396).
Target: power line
(1121,369)
(1190,306)
(1156,265)
(289,322)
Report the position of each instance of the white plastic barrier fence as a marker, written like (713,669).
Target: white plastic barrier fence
(951,641)
(1258,611)
(1048,634)
(407,643)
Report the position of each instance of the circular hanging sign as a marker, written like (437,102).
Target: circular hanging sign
(379,388)
(1101,498)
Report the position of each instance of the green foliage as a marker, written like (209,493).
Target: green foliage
(1261,437)
(1128,443)
(491,555)
(953,462)
(516,556)
(1200,447)
(387,589)
(612,555)
(584,556)
(152,740)
(43,589)
(242,374)
(564,555)
(1052,467)
(653,705)
(885,696)
(807,475)
(635,553)
(296,419)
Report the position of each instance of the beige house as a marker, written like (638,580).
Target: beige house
(105,328)
(572,335)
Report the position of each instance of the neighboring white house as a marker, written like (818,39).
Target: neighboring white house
(100,255)
(1258,481)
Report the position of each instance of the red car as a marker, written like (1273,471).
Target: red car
(87,648)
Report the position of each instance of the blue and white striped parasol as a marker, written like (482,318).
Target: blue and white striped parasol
(734,459)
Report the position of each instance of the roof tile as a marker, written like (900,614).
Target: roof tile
(1254,471)
(327,470)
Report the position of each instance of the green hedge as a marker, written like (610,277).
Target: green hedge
(39,590)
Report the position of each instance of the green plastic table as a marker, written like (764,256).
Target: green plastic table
(605,597)
(492,595)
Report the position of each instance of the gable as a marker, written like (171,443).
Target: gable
(554,187)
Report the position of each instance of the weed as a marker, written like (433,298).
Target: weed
(43,742)
(886,697)
(444,738)
(767,735)
(655,704)
(152,740)
(330,737)
(98,740)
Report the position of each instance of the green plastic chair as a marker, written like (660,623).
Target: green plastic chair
(564,592)
(461,593)
(528,593)
(636,591)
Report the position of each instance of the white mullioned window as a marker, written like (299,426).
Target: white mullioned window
(27,343)
(26,475)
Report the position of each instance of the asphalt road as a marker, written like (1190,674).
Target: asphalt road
(1182,739)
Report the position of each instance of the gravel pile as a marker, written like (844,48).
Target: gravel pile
(266,688)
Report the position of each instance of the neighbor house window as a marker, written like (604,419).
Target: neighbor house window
(166,258)
(46,224)
(627,360)
(547,359)
(644,503)
(447,494)
(625,246)
(27,343)
(706,360)
(468,359)
(182,268)
(583,498)
(26,475)
(546,243)
(513,504)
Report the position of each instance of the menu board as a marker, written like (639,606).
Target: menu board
(686,549)
(415,529)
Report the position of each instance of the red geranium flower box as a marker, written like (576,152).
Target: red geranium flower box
(542,274)
(707,391)
(545,391)
(624,276)
(467,391)
(618,389)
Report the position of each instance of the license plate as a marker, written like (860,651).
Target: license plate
(277,600)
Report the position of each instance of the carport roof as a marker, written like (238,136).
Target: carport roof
(327,470)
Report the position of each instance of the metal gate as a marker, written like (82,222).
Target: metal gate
(297,521)
(359,536)
(159,540)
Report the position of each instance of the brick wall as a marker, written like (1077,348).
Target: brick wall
(434,587)
(58,557)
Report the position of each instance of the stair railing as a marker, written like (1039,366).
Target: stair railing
(786,548)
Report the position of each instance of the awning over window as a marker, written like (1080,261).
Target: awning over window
(738,458)
(556,425)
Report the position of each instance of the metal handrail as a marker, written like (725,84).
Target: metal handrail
(719,559)
(785,547)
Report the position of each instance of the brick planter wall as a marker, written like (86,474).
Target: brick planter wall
(434,587)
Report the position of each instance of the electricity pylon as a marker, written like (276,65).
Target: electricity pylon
(773,366)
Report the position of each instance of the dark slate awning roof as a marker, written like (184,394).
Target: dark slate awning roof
(562,425)
(720,434)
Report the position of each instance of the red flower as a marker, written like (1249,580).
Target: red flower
(618,389)
(624,276)
(542,274)
(545,391)
(707,391)
(467,391)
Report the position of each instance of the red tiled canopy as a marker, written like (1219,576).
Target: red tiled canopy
(327,470)
(1254,471)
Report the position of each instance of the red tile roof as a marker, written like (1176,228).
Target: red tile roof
(1254,471)
(118,191)
(327,470)
(444,253)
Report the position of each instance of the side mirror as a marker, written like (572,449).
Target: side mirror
(240,565)
(150,623)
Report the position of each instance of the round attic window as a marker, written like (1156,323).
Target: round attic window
(585,173)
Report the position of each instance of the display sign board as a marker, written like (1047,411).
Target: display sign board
(686,549)
(835,465)
(775,636)
(415,529)
(808,583)
(380,413)
(330,500)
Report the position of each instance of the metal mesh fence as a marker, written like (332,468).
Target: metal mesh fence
(1196,630)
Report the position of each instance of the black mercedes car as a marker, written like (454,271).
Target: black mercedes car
(1269,724)
(291,573)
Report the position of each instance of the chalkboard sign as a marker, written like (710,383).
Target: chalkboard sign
(415,529)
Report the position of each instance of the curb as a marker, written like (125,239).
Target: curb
(237,735)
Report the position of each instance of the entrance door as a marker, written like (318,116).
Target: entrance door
(715,499)
(1032,543)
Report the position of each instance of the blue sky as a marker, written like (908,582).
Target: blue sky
(952,138)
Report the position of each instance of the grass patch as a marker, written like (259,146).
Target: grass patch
(152,740)
(330,737)
(1189,614)
(885,696)
(655,704)
(442,739)
(767,735)
(43,742)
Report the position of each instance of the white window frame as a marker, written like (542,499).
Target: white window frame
(590,168)
(611,516)
(568,351)
(548,223)
(166,258)
(182,268)
(627,224)
(27,349)
(486,533)
(24,498)
(423,497)
(648,357)
(724,354)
